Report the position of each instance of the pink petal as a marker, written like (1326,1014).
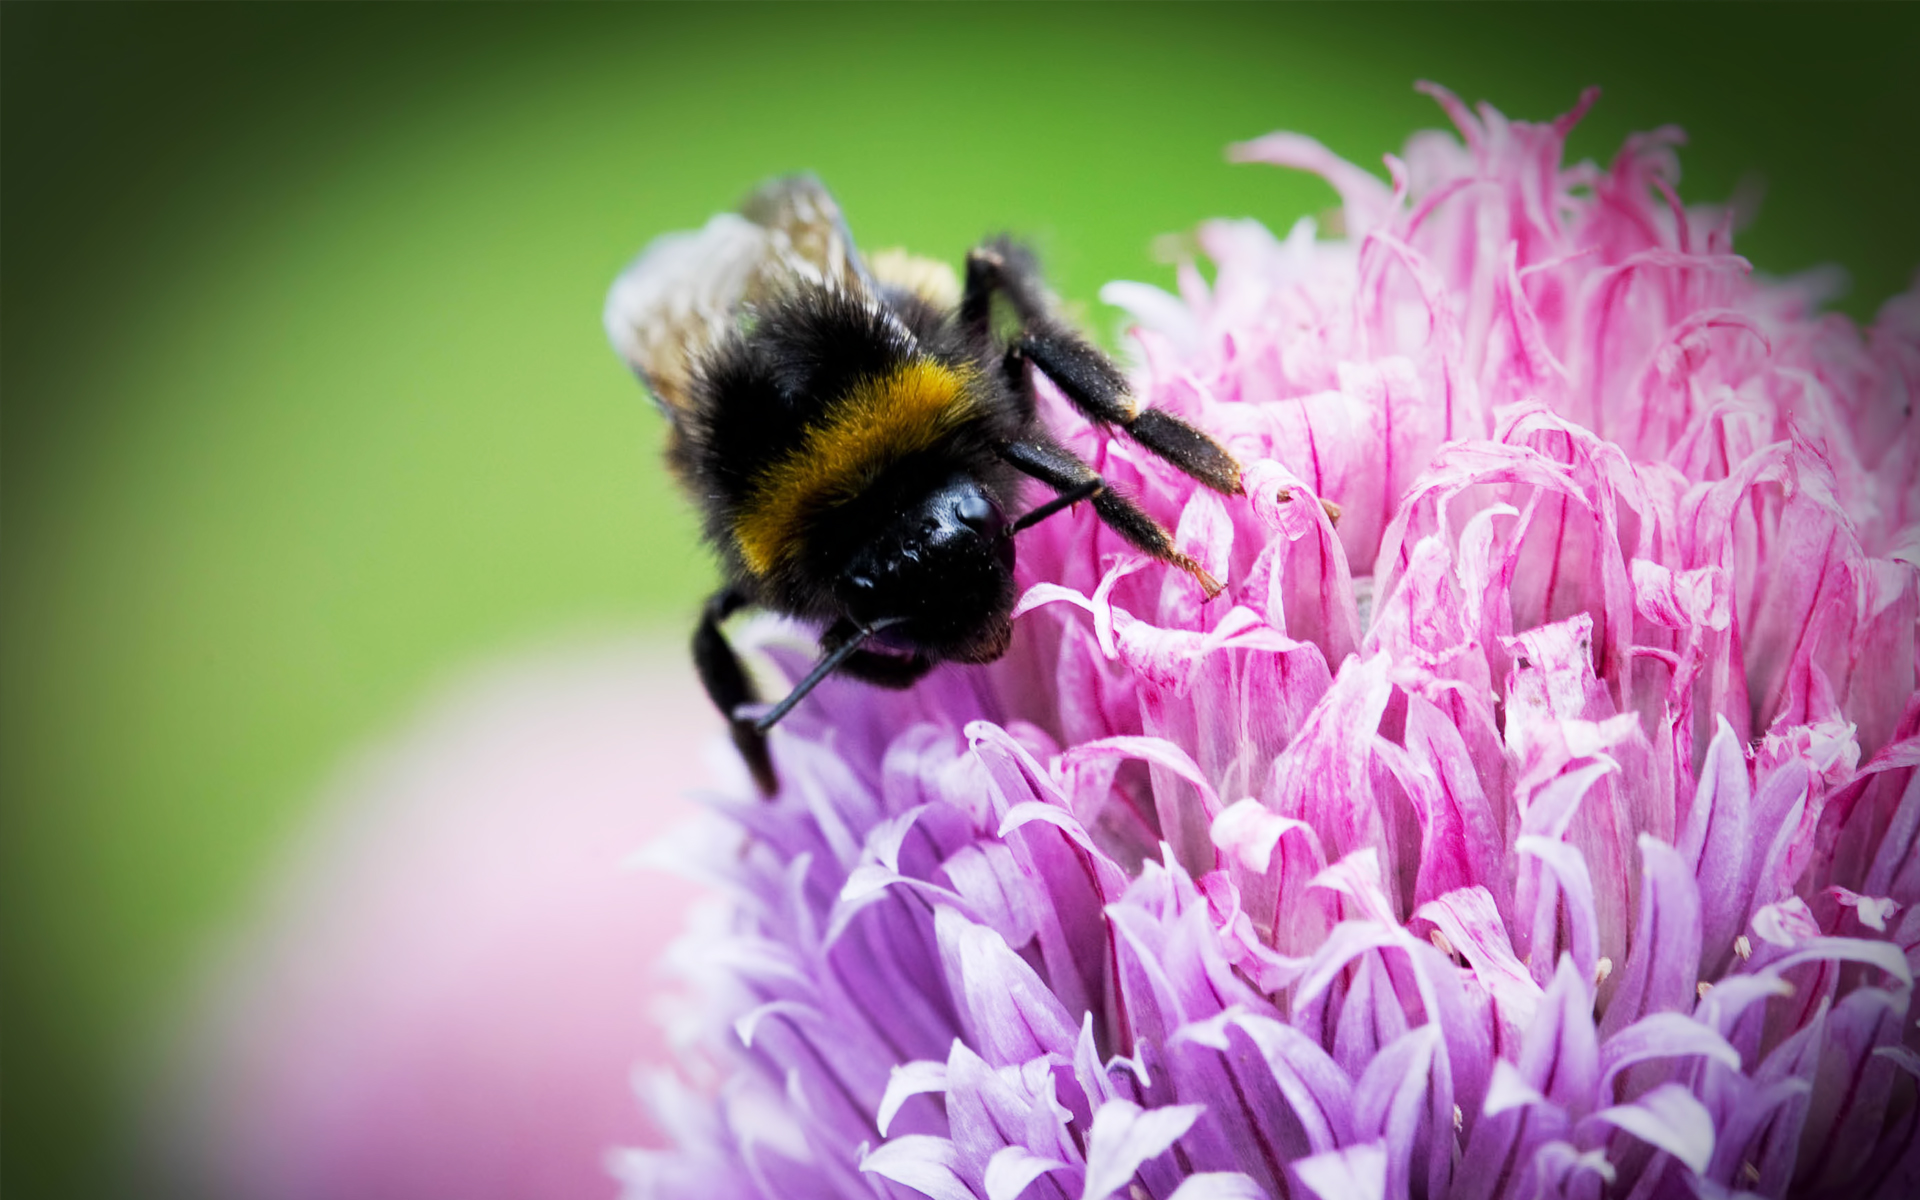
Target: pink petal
(925,1164)
(1012,1168)
(1124,1136)
(1218,1185)
(1355,1173)
(1670,1119)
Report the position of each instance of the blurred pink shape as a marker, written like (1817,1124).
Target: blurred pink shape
(448,989)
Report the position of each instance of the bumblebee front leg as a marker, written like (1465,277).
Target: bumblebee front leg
(728,686)
(1066,474)
(1083,374)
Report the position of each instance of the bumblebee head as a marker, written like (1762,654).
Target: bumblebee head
(940,573)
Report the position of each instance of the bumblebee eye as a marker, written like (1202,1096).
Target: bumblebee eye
(974,509)
(861,583)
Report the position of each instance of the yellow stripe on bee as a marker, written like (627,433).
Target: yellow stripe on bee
(878,422)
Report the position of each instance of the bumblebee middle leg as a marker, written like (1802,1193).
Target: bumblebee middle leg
(1066,474)
(1083,374)
(728,686)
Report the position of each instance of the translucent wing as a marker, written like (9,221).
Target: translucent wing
(679,298)
(688,291)
(808,234)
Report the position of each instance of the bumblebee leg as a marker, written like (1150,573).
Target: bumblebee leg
(727,684)
(1066,474)
(1086,376)
(1002,267)
(884,670)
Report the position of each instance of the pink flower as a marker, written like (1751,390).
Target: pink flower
(1546,827)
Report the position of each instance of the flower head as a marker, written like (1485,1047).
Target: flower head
(1545,826)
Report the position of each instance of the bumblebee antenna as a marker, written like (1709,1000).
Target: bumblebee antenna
(1067,499)
(825,667)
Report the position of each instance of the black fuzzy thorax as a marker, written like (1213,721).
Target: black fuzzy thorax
(758,394)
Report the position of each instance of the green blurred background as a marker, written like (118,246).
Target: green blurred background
(306,403)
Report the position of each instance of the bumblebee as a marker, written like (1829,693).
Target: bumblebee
(857,437)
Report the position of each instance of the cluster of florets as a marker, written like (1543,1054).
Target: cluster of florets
(1547,826)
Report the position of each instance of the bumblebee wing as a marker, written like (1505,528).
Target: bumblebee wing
(688,291)
(680,298)
(809,239)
